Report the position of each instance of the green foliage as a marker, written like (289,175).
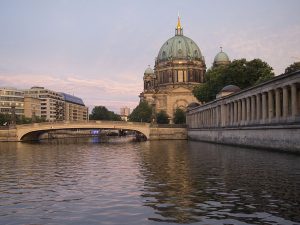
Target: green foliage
(23,120)
(179,116)
(142,113)
(241,73)
(102,113)
(293,67)
(4,119)
(162,117)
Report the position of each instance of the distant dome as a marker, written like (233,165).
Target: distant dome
(230,88)
(193,105)
(221,58)
(149,70)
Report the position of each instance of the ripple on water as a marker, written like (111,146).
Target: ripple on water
(167,182)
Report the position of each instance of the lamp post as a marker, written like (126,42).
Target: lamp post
(153,120)
(13,116)
(33,115)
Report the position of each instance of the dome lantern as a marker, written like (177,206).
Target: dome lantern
(178,29)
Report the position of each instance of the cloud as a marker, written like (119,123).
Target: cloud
(110,93)
(277,48)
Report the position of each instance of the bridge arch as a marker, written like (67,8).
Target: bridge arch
(34,130)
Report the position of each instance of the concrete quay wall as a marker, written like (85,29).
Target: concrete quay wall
(8,135)
(281,138)
(168,134)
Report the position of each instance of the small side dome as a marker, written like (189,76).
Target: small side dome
(228,90)
(221,58)
(149,70)
(193,105)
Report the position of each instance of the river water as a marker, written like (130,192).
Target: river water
(159,182)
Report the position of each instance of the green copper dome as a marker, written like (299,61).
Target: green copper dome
(149,70)
(221,58)
(179,47)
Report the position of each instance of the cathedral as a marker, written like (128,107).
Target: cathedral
(179,67)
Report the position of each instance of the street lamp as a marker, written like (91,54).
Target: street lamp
(153,120)
(13,115)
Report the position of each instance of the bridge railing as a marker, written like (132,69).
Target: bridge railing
(91,122)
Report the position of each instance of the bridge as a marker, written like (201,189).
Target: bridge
(27,132)
(33,131)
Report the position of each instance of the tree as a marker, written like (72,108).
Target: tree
(162,117)
(142,113)
(241,73)
(293,67)
(4,119)
(179,116)
(102,113)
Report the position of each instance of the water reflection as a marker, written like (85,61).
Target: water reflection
(189,182)
(163,182)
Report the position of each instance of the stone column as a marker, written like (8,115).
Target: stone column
(239,113)
(214,117)
(228,114)
(248,110)
(235,112)
(277,103)
(231,113)
(294,100)
(243,111)
(209,117)
(253,109)
(264,106)
(223,116)
(285,102)
(205,118)
(258,107)
(270,105)
(218,116)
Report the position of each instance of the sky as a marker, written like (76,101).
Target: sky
(98,50)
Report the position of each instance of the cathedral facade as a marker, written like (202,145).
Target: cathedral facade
(179,67)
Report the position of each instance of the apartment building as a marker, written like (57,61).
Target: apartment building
(52,103)
(74,108)
(11,98)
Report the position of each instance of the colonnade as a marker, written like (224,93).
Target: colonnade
(270,103)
